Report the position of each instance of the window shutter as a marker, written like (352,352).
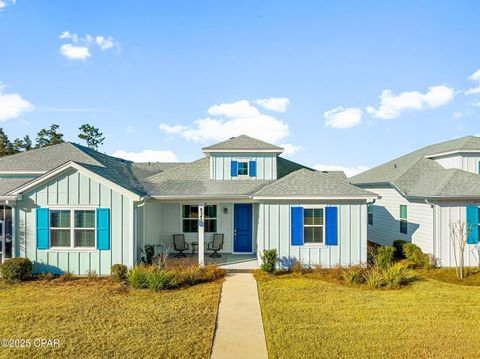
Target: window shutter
(472,224)
(42,228)
(234,168)
(103,229)
(297,226)
(331,226)
(252,169)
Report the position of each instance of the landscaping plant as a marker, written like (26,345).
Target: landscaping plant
(396,275)
(269,260)
(398,244)
(16,270)
(353,275)
(119,272)
(158,279)
(384,256)
(149,254)
(138,277)
(415,257)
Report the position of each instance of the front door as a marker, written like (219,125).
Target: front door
(242,228)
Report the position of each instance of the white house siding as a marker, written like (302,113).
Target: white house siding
(465,161)
(274,232)
(161,220)
(445,213)
(220,166)
(386,217)
(70,190)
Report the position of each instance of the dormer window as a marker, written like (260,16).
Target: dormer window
(242,169)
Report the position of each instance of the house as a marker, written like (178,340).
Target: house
(70,208)
(423,193)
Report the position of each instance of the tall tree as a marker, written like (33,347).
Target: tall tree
(6,147)
(22,144)
(91,135)
(49,137)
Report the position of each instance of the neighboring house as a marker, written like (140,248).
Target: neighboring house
(70,208)
(422,193)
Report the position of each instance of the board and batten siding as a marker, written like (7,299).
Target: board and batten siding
(445,213)
(220,166)
(70,190)
(465,161)
(386,218)
(274,232)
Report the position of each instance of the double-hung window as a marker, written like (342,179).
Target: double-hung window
(190,218)
(242,169)
(403,219)
(370,214)
(313,225)
(72,228)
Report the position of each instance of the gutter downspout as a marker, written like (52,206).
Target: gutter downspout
(434,208)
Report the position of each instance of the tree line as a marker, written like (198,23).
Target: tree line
(48,137)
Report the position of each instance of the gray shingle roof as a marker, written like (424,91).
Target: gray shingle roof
(9,184)
(312,183)
(243,142)
(415,174)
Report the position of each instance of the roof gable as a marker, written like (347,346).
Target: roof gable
(243,143)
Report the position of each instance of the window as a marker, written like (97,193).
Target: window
(313,225)
(370,214)
(403,219)
(242,168)
(72,228)
(190,218)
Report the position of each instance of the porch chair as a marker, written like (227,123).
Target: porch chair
(180,245)
(216,245)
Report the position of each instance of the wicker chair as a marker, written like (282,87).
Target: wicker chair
(180,245)
(216,245)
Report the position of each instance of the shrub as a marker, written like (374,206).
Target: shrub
(398,244)
(138,277)
(190,275)
(149,254)
(16,270)
(384,256)
(299,268)
(66,277)
(415,255)
(119,272)
(396,275)
(92,274)
(212,272)
(46,276)
(374,278)
(353,275)
(161,279)
(269,260)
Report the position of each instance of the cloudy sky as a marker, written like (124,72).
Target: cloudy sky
(340,84)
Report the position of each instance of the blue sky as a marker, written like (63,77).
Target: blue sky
(343,83)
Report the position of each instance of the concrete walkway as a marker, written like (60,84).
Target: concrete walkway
(239,332)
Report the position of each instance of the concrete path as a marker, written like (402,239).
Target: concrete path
(239,332)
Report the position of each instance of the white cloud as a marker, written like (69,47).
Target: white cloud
(147,156)
(476,103)
(289,149)
(5,3)
(73,52)
(277,104)
(474,77)
(391,105)
(229,120)
(457,115)
(349,171)
(342,118)
(132,129)
(79,47)
(12,105)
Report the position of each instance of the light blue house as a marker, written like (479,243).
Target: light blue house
(70,208)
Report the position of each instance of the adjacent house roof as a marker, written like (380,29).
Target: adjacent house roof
(417,174)
(306,183)
(243,143)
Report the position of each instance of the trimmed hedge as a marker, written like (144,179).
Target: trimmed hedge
(16,270)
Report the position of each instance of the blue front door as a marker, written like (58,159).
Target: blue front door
(242,228)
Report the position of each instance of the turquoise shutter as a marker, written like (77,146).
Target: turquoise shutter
(297,226)
(234,168)
(42,228)
(252,169)
(103,229)
(479,167)
(472,224)
(331,226)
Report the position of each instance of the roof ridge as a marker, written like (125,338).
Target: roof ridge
(168,171)
(453,170)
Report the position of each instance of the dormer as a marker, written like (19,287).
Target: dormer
(243,158)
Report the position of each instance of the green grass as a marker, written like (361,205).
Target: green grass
(97,318)
(305,317)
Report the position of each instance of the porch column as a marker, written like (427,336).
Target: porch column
(201,234)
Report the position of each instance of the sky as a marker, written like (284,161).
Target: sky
(340,84)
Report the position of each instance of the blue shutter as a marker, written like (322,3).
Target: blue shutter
(234,168)
(42,228)
(252,169)
(472,224)
(331,226)
(479,167)
(103,229)
(297,226)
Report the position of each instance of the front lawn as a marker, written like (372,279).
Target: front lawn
(305,317)
(97,318)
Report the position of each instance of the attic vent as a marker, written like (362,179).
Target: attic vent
(394,165)
(324,171)
(231,138)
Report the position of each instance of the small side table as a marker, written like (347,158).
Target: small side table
(194,245)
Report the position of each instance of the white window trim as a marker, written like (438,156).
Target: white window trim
(195,205)
(248,168)
(314,225)
(72,230)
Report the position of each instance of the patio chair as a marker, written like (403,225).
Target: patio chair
(216,245)
(180,245)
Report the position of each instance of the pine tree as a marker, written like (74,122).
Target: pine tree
(91,135)
(49,137)
(6,147)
